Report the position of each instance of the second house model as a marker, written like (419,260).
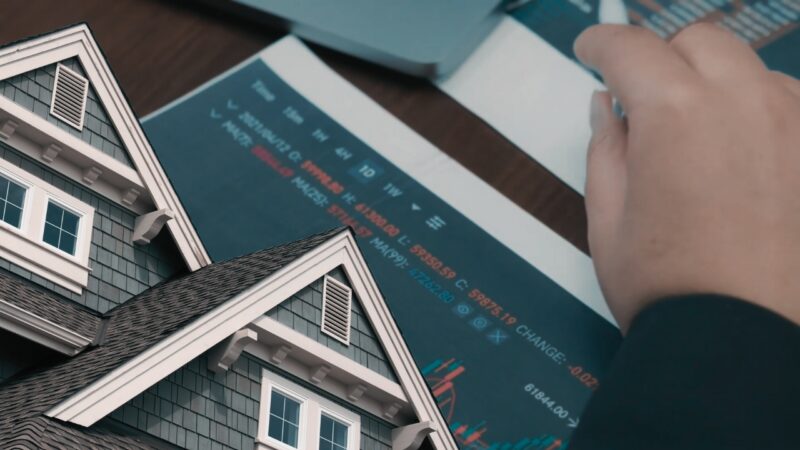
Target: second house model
(119,332)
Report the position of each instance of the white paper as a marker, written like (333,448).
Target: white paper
(533,95)
(472,197)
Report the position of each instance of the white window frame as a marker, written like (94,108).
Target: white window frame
(301,422)
(337,417)
(25,246)
(312,407)
(25,202)
(80,232)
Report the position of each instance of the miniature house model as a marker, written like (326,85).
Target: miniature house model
(119,332)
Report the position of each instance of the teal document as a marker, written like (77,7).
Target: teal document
(503,317)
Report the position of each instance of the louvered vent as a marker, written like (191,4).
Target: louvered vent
(69,96)
(336,298)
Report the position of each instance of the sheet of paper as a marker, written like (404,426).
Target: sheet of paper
(524,82)
(504,317)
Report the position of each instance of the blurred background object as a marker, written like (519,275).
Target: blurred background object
(426,38)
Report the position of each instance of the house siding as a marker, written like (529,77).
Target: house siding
(303,313)
(197,409)
(34,91)
(120,269)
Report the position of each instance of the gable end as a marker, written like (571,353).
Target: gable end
(34,89)
(303,312)
(133,179)
(118,384)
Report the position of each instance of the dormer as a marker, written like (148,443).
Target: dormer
(82,195)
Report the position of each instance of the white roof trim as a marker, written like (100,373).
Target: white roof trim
(78,42)
(47,131)
(125,382)
(41,331)
(328,356)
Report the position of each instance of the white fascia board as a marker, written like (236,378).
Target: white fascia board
(49,263)
(26,146)
(125,382)
(85,153)
(78,42)
(334,383)
(41,331)
(330,357)
(379,316)
(142,155)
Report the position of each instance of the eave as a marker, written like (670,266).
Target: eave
(41,331)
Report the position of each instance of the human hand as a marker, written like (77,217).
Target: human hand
(698,189)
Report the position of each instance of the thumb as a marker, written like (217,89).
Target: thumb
(606,175)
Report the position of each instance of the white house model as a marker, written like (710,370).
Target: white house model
(119,332)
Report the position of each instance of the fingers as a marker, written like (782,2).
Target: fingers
(606,173)
(793,84)
(716,53)
(635,63)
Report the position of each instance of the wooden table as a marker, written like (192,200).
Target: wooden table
(160,50)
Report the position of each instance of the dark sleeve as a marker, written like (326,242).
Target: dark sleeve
(699,372)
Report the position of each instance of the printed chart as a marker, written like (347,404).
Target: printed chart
(257,161)
(772,27)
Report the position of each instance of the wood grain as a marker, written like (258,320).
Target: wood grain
(160,50)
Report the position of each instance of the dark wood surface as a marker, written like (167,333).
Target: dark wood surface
(160,50)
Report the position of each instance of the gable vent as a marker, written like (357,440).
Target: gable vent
(69,96)
(336,298)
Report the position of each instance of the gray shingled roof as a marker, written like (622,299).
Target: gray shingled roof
(42,432)
(134,327)
(48,306)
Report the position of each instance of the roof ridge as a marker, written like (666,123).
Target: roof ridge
(329,232)
(216,265)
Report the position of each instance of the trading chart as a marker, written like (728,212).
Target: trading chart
(772,27)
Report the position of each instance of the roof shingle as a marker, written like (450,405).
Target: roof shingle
(48,306)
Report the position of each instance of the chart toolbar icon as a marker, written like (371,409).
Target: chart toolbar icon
(479,323)
(497,336)
(366,171)
(462,310)
(435,223)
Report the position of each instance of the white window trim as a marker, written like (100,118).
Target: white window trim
(312,407)
(25,246)
(79,238)
(302,422)
(23,223)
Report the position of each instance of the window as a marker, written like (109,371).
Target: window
(332,434)
(61,228)
(43,229)
(12,199)
(284,418)
(294,417)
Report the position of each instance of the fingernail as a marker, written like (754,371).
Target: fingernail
(598,113)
